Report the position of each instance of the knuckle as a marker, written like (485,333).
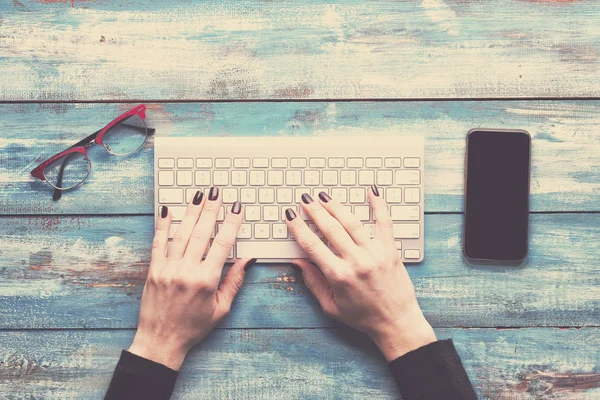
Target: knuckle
(343,279)
(310,245)
(199,234)
(224,241)
(386,222)
(355,225)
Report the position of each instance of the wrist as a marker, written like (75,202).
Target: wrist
(155,349)
(397,339)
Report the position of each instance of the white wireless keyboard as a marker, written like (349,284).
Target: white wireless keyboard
(269,174)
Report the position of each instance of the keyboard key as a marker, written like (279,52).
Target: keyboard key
(393,195)
(355,162)
(393,162)
(185,163)
(190,193)
(372,228)
(412,254)
(220,178)
(248,195)
(318,190)
(177,213)
(316,162)
(348,178)
(271,213)
(330,177)
(257,178)
(315,229)
(202,178)
(238,178)
(299,192)
(279,162)
(262,231)
(408,177)
(362,212)
(366,177)
(405,213)
(407,231)
(252,213)
(223,163)
(166,163)
(293,178)
(172,229)
(298,162)
(412,162)
(245,231)
(341,194)
(311,178)
(336,162)
(241,162)
(166,178)
(275,178)
(304,215)
(374,162)
(260,162)
(266,195)
(170,196)
(284,195)
(412,195)
(203,162)
(229,195)
(280,231)
(398,245)
(184,178)
(270,249)
(385,177)
(357,195)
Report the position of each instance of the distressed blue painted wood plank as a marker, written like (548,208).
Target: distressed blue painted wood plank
(167,49)
(522,364)
(68,272)
(565,155)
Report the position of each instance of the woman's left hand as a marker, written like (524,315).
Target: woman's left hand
(182,300)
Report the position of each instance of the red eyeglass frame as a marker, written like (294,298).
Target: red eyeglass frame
(82,145)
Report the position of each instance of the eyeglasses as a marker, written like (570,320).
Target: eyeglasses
(124,135)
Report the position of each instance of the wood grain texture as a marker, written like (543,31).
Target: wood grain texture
(520,364)
(60,50)
(86,272)
(565,152)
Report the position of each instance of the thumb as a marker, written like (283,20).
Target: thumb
(318,286)
(232,282)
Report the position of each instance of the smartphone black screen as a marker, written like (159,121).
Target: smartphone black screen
(497,195)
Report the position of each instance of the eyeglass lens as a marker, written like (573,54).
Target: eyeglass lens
(67,171)
(126,137)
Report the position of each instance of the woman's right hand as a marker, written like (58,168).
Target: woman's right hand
(366,286)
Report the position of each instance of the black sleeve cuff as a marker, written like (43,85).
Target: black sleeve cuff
(432,372)
(138,378)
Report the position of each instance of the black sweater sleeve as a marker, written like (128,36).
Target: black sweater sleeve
(432,372)
(137,378)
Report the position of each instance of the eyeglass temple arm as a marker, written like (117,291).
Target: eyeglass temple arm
(58,193)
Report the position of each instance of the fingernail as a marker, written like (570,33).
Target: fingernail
(375,190)
(249,264)
(324,197)
(164,211)
(290,214)
(236,207)
(198,198)
(213,194)
(306,199)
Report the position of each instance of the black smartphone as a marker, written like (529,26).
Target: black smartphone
(496,203)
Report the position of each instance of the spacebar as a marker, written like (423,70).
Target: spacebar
(272,249)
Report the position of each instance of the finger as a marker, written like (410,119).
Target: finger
(225,239)
(182,236)
(232,282)
(311,244)
(330,227)
(205,226)
(384,224)
(350,222)
(318,286)
(161,236)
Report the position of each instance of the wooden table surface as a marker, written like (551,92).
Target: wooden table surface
(71,272)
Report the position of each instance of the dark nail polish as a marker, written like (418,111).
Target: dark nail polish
(164,211)
(324,197)
(198,198)
(375,190)
(290,214)
(213,194)
(236,207)
(249,264)
(306,199)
